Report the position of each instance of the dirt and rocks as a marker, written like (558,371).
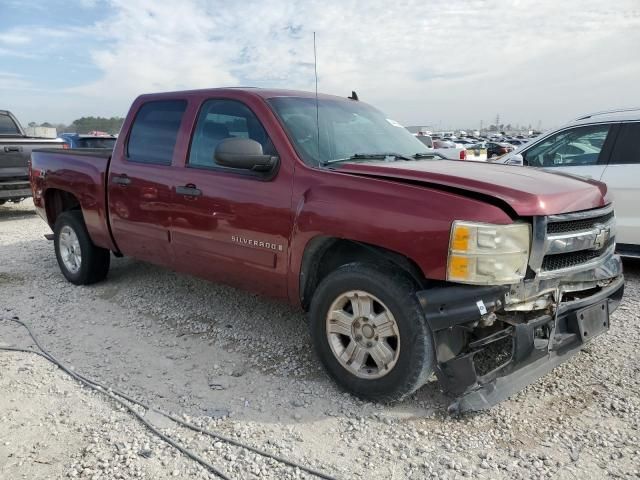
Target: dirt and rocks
(242,365)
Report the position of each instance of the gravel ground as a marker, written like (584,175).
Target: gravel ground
(242,365)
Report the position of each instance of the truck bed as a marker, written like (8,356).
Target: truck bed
(81,172)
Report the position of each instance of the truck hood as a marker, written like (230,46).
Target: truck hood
(528,191)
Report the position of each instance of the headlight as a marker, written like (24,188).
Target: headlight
(487,254)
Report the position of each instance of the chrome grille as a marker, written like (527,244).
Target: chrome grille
(575,240)
(578,225)
(573,259)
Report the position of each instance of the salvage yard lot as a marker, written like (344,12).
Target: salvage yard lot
(243,365)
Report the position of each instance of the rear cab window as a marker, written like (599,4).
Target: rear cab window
(96,143)
(8,126)
(154,132)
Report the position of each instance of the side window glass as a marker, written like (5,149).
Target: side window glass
(569,148)
(154,132)
(220,119)
(627,149)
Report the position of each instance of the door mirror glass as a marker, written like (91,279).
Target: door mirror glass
(243,153)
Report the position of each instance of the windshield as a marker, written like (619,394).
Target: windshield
(346,128)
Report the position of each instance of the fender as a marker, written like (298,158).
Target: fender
(399,221)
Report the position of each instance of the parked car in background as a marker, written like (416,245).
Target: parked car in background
(15,150)
(497,149)
(454,151)
(477,152)
(450,149)
(601,146)
(90,140)
(516,142)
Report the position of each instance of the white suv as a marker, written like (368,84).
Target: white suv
(604,146)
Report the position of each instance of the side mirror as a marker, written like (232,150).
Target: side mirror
(243,153)
(515,159)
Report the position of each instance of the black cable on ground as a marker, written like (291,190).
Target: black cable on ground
(114,394)
(130,409)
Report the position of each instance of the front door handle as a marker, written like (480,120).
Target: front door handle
(120,180)
(12,149)
(189,191)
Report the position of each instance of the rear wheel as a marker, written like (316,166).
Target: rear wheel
(370,334)
(80,261)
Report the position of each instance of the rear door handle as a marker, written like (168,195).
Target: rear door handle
(12,149)
(189,191)
(120,180)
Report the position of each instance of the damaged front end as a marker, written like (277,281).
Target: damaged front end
(492,341)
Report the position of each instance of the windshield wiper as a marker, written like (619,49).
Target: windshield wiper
(370,156)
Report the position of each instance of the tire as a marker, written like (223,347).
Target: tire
(93,263)
(413,353)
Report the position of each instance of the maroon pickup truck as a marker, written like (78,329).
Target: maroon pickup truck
(486,275)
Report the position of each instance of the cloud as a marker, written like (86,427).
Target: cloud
(11,81)
(14,38)
(448,62)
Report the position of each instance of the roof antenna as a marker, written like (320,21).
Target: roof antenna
(315,69)
(354,96)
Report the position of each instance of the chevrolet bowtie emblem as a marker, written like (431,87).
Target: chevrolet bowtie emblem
(602,238)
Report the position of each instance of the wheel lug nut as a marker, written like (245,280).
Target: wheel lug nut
(357,325)
(358,338)
(369,344)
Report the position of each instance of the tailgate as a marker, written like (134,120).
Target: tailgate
(16,152)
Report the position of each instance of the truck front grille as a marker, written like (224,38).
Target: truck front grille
(578,225)
(573,259)
(577,240)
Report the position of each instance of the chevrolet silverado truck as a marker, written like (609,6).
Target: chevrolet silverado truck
(15,151)
(486,275)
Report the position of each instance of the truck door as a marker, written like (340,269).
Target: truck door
(622,177)
(232,225)
(140,182)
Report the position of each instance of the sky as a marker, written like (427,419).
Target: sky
(439,63)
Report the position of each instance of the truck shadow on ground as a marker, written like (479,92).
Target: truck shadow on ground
(17,212)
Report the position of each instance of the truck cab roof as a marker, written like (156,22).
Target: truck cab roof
(264,93)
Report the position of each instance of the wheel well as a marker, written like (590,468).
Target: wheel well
(325,254)
(58,201)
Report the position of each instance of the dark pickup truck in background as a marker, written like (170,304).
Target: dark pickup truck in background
(487,275)
(15,151)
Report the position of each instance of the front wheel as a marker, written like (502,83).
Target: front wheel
(80,261)
(369,332)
